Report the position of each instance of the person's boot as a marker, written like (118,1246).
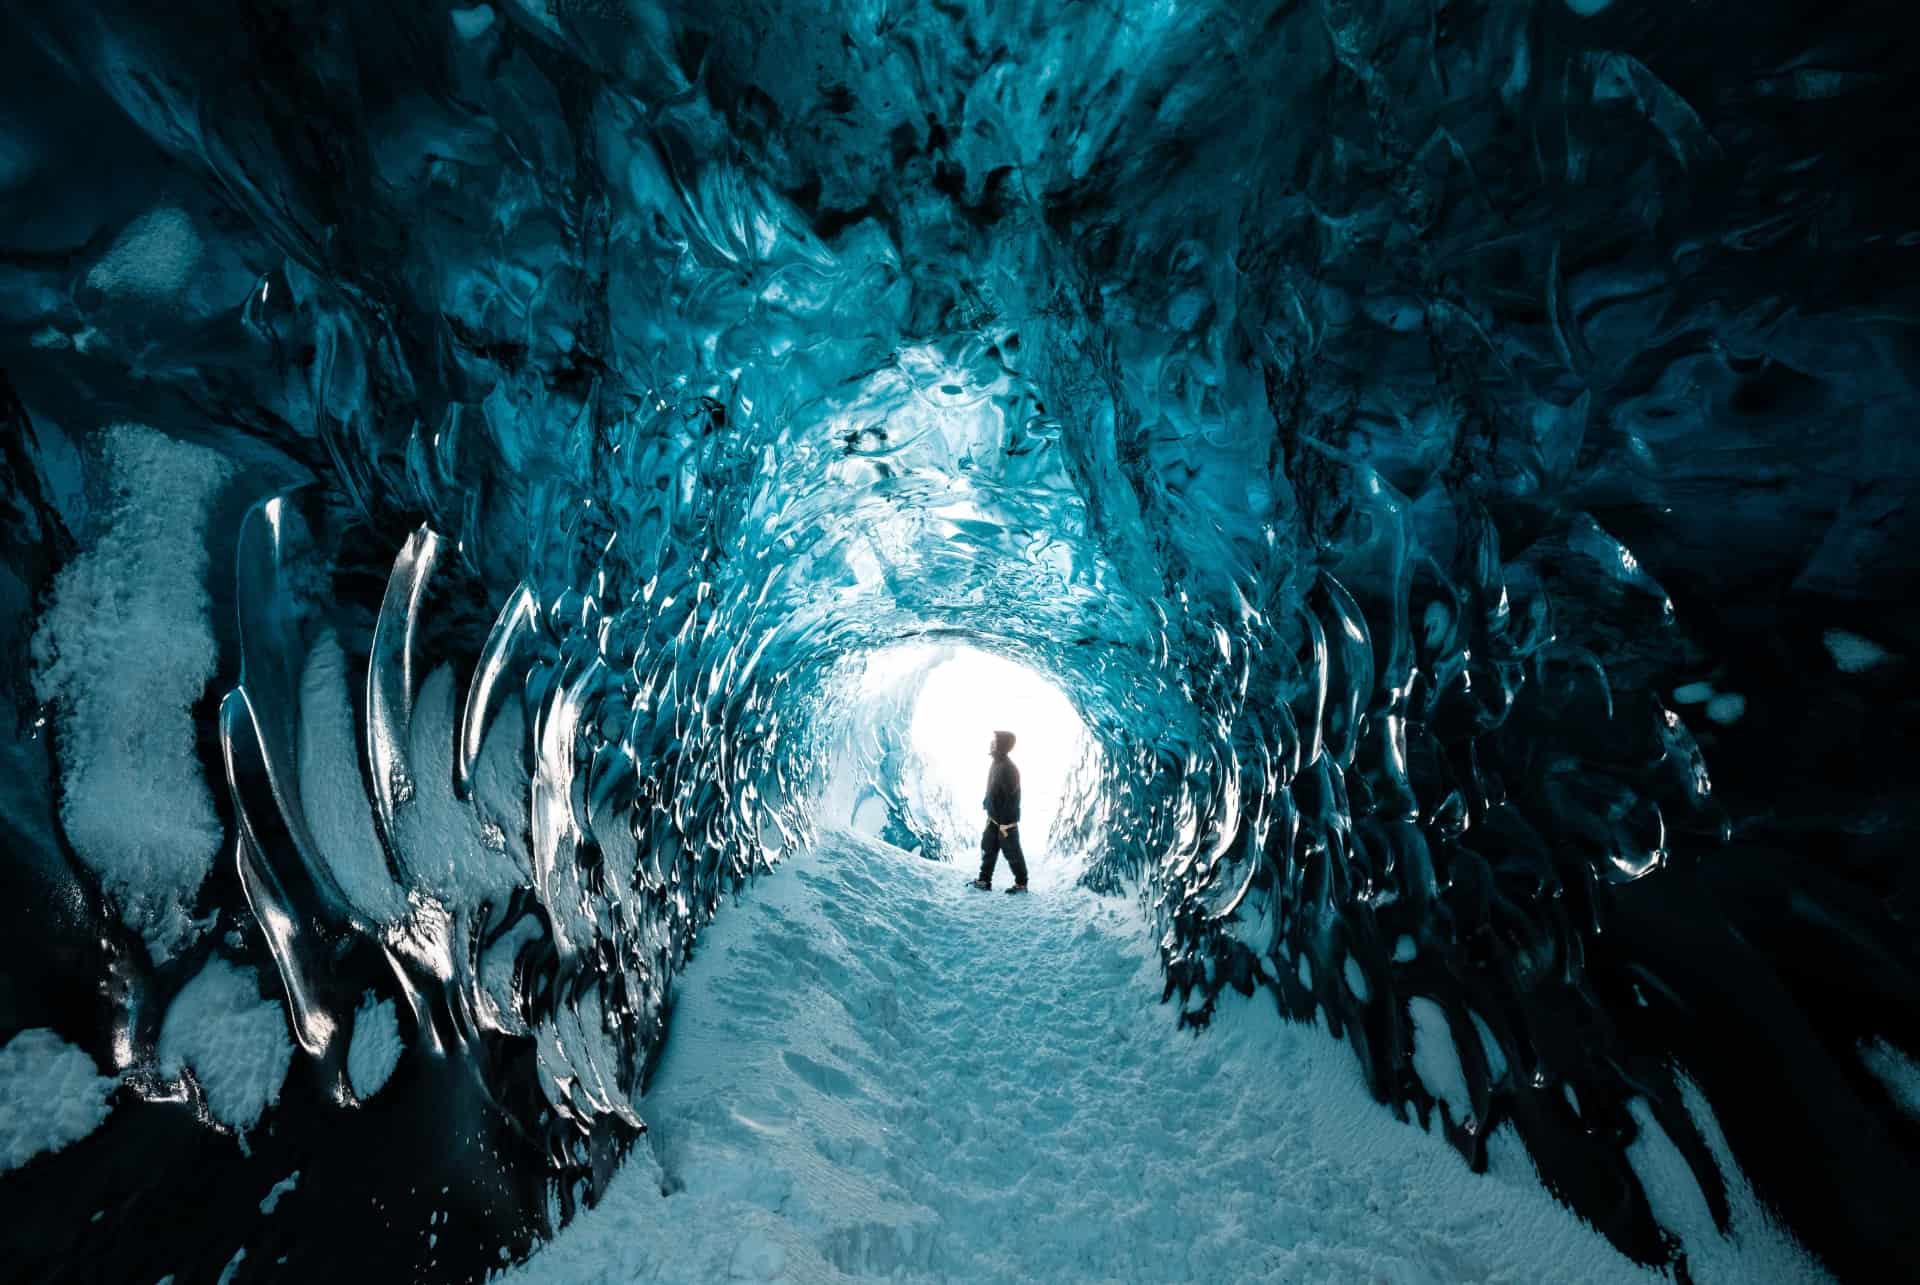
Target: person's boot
(1018,887)
(982,885)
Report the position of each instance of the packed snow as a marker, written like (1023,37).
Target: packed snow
(271,1201)
(453,849)
(876,1071)
(376,1047)
(331,788)
(51,1095)
(154,256)
(471,24)
(1899,1073)
(124,652)
(235,1042)
(1755,1247)
(1853,654)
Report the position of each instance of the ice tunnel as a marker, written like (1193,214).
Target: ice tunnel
(518,516)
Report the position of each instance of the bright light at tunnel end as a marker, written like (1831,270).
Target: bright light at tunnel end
(964,700)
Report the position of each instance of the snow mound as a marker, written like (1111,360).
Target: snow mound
(1853,654)
(123,653)
(1896,1071)
(1435,1060)
(235,1042)
(51,1095)
(271,1201)
(154,256)
(376,1047)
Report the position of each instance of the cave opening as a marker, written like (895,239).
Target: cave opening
(485,489)
(912,725)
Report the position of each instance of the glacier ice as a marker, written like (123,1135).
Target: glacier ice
(484,482)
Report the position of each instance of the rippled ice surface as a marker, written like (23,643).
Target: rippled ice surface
(483,484)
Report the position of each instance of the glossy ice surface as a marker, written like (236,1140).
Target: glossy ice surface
(471,475)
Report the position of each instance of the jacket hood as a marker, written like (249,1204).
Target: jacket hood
(1002,742)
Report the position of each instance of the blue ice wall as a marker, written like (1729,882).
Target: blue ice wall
(1456,456)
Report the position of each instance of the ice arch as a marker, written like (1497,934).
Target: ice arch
(912,724)
(964,699)
(1421,440)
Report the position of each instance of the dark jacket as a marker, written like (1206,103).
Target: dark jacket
(1003,791)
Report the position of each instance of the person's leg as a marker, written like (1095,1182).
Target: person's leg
(1016,859)
(989,852)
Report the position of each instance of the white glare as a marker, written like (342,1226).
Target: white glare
(964,701)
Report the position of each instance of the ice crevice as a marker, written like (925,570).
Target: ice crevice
(496,498)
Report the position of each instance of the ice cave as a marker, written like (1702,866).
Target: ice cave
(522,521)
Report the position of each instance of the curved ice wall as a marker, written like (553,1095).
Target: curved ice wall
(1455,456)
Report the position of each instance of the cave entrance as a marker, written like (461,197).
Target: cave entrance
(911,756)
(964,698)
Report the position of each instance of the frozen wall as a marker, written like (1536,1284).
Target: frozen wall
(1455,457)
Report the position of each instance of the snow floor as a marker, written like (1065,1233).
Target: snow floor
(875,1071)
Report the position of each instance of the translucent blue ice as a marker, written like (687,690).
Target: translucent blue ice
(1373,417)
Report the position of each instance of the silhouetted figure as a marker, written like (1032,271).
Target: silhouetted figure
(1003,817)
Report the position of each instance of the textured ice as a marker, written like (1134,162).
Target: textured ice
(124,653)
(460,853)
(233,1041)
(579,431)
(473,23)
(51,1095)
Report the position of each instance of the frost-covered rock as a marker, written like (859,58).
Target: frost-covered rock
(155,255)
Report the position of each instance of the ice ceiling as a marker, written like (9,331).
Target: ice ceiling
(1454,457)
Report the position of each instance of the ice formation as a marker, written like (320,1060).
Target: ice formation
(1456,459)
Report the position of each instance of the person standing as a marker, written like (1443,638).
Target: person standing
(1003,817)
